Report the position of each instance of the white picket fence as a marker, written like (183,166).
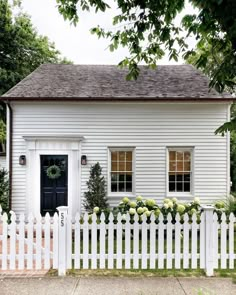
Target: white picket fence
(63,242)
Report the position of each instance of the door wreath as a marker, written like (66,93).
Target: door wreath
(53,172)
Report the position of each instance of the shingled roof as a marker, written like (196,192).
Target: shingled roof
(61,82)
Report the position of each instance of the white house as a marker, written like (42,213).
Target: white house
(153,137)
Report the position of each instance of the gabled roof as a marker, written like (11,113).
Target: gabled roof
(104,82)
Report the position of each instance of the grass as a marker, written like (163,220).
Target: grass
(226,273)
(223,273)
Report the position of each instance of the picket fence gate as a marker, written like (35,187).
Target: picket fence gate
(62,242)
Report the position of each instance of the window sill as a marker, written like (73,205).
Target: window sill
(120,195)
(185,196)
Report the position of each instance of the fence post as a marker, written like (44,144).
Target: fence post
(209,258)
(62,239)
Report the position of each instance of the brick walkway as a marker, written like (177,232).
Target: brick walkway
(25,272)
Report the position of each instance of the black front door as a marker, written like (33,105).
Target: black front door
(54,179)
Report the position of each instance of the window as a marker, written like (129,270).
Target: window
(121,170)
(179,170)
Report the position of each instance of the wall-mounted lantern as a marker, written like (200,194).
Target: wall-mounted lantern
(22,160)
(83,160)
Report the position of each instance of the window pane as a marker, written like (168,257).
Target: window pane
(180,156)
(114,166)
(128,177)
(180,166)
(129,166)
(114,186)
(129,186)
(172,177)
(114,177)
(187,156)
(187,177)
(121,171)
(121,186)
(187,166)
(121,156)
(129,156)
(172,166)
(172,186)
(122,177)
(114,156)
(121,166)
(179,177)
(172,156)
(179,186)
(187,186)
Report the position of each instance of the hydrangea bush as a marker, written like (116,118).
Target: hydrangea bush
(148,207)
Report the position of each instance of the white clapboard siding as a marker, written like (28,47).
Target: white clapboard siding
(149,128)
(3,162)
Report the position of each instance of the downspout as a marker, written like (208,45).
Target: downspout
(9,149)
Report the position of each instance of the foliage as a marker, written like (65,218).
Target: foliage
(227,206)
(96,194)
(53,172)
(4,190)
(148,207)
(22,49)
(149,29)
(2,131)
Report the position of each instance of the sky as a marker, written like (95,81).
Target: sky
(76,43)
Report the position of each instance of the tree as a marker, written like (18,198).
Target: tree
(96,194)
(22,49)
(213,56)
(4,190)
(149,28)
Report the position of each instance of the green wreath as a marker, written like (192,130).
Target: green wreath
(53,172)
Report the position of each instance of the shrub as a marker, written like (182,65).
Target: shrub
(4,190)
(96,194)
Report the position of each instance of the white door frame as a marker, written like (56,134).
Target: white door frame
(52,145)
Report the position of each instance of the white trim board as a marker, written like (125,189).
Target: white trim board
(37,146)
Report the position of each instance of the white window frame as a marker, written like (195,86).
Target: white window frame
(182,195)
(121,194)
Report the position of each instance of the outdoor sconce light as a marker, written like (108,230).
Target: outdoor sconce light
(83,160)
(22,160)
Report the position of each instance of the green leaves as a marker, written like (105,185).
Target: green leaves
(148,29)
(22,50)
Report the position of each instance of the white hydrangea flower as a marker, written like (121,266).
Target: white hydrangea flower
(166,205)
(139,198)
(96,209)
(132,211)
(196,201)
